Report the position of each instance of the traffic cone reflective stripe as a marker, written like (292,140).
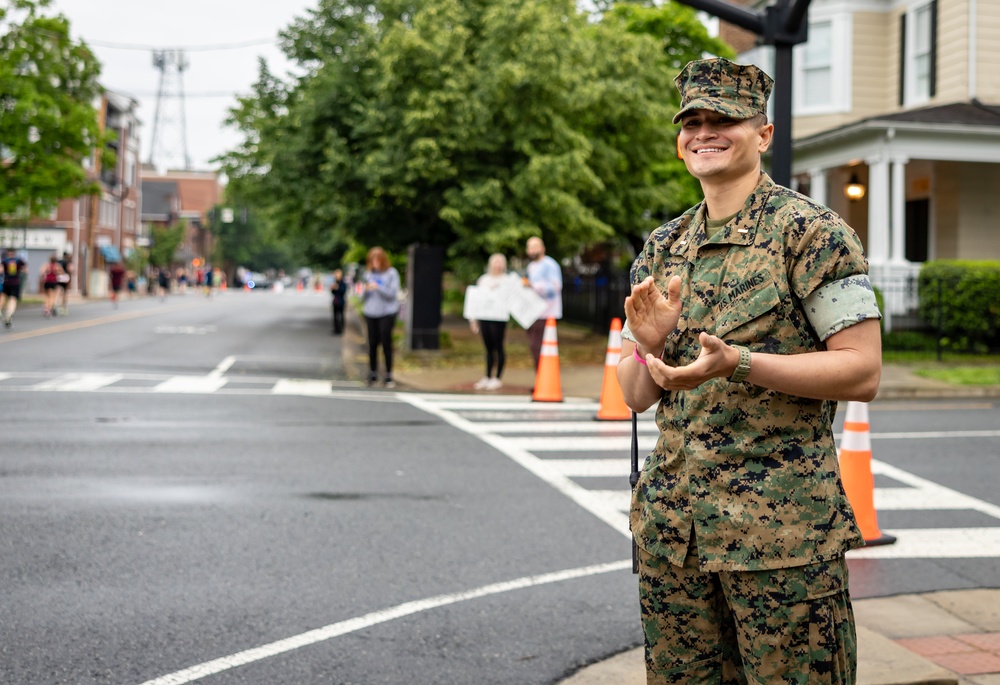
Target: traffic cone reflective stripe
(548,386)
(613,407)
(856,473)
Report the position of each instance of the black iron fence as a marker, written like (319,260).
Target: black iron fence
(593,300)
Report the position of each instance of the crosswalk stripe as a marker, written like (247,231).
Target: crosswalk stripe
(294,386)
(556,427)
(620,444)
(507,427)
(191,384)
(78,382)
(935,543)
(591,468)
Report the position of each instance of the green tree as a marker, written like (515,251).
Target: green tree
(682,38)
(470,124)
(165,241)
(48,123)
(248,241)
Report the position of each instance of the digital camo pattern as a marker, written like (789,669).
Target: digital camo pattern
(778,626)
(752,470)
(739,91)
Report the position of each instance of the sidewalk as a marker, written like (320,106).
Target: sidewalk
(937,638)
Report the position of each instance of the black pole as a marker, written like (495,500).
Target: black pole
(633,480)
(781,153)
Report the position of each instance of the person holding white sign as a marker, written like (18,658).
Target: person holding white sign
(488,310)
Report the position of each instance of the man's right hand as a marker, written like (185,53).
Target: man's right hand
(651,316)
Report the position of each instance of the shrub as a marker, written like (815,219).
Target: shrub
(962,299)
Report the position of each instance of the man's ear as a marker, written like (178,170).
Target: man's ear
(766,136)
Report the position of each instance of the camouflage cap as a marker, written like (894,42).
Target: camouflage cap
(739,91)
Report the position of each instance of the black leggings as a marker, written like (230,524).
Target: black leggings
(493,333)
(380,333)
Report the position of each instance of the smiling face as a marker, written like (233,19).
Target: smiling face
(718,149)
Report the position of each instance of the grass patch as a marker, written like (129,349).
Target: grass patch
(460,347)
(963,375)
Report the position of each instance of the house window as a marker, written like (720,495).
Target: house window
(918,33)
(822,68)
(817,65)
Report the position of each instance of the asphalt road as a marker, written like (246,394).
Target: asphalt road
(186,496)
(152,521)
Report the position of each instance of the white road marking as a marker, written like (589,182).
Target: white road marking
(223,366)
(595,504)
(935,543)
(554,427)
(935,492)
(78,382)
(374,618)
(593,468)
(621,444)
(935,435)
(190,384)
(298,386)
(612,505)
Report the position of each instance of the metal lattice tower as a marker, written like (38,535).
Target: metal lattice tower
(169,139)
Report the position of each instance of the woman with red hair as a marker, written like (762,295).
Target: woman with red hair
(381,306)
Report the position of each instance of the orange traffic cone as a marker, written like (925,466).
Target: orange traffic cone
(548,387)
(613,407)
(856,473)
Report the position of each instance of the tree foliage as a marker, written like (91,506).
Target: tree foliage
(48,122)
(248,242)
(467,123)
(165,241)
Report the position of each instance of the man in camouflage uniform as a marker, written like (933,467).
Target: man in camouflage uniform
(750,316)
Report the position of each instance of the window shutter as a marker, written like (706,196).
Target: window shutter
(902,59)
(934,30)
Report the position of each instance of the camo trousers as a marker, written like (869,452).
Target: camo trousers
(791,625)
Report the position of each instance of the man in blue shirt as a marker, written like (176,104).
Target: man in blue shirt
(545,278)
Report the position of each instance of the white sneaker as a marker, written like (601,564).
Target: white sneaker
(483,383)
(494,384)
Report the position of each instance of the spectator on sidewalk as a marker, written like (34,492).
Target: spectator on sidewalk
(338,290)
(545,278)
(750,316)
(381,306)
(496,280)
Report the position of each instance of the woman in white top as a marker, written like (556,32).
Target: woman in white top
(496,279)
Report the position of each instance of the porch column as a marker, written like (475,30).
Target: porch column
(898,196)
(878,211)
(817,185)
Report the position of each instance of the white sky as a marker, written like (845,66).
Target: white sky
(212,79)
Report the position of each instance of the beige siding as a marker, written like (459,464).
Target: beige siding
(987,50)
(953,51)
(945,211)
(874,88)
(979,214)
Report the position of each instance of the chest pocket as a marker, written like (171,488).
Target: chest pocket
(749,316)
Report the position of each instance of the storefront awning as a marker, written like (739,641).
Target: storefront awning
(111,254)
